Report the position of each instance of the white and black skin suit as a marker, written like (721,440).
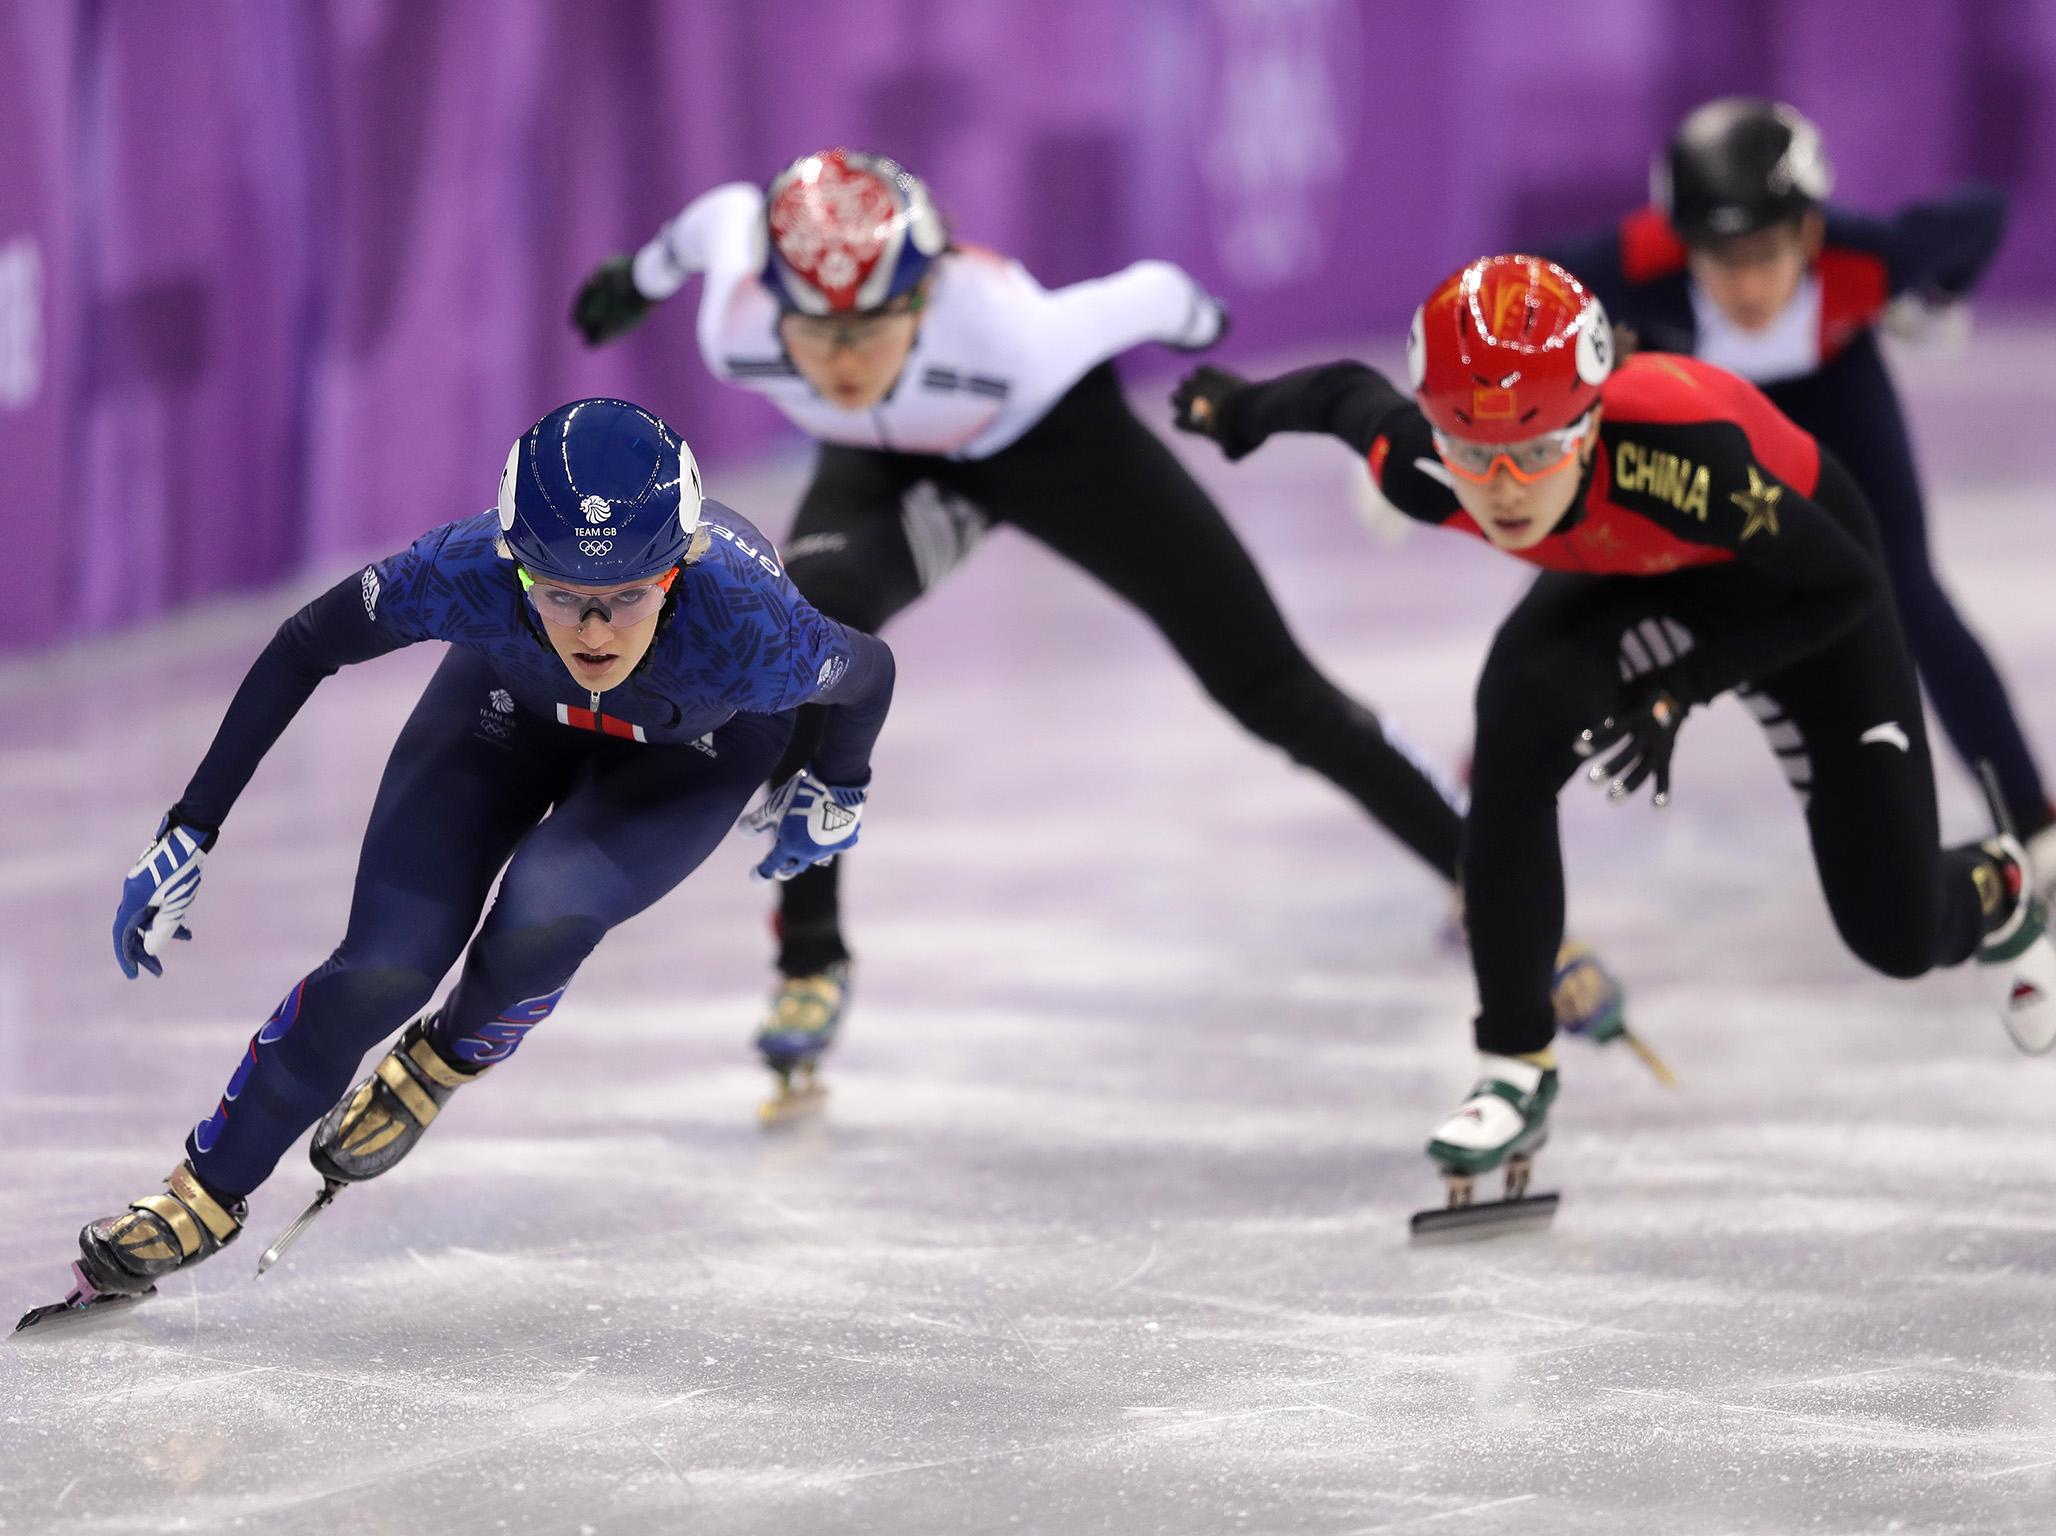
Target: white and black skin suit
(1009,411)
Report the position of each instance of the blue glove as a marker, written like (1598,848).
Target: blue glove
(810,823)
(156,896)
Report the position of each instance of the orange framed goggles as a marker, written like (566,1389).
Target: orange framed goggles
(1527,460)
(568,608)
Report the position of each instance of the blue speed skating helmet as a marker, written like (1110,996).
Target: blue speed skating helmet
(599,492)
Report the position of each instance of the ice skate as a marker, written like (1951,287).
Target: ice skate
(2016,958)
(1592,1004)
(1499,1128)
(376,1123)
(2041,858)
(382,1118)
(805,1013)
(122,1257)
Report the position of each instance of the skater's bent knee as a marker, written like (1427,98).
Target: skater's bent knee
(392,991)
(1902,956)
(534,957)
(346,1008)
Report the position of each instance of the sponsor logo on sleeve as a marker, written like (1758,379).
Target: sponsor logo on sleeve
(369,585)
(831,672)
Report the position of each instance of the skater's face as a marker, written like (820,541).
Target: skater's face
(853,360)
(1751,278)
(1517,509)
(598,642)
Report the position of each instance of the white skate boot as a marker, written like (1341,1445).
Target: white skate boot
(2016,959)
(1500,1126)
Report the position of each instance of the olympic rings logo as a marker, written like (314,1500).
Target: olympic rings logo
(594,548)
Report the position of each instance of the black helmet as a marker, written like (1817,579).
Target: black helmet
(1737,165)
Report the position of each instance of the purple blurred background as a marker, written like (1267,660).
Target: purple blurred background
(280,279)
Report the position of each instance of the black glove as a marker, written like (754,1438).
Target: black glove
(1208,403)
(609,305)
(1645,731)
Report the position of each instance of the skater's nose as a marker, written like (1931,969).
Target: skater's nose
(1503,492)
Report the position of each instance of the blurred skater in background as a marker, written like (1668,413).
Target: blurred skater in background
(1742,262)
(949,391)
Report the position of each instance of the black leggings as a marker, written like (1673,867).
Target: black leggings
(1851,407)
(1557,665)
(1095,485)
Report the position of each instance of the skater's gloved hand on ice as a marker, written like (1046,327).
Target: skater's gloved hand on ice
(156,896)
(810,822)
(1644,731)
(610,304)
(1204,404)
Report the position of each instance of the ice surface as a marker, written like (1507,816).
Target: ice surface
(1105,1230)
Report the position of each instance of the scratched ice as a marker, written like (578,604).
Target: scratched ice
(1105,1230)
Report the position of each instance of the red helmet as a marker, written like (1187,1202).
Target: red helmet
(849,232)
(1507,349)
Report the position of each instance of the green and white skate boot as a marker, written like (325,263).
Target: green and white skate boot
(1502,1125)
(2016,958)
(806,1012)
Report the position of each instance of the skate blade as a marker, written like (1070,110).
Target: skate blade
(329,1190)
(1487,1218)
(793,1104)
(1657,1066)
(83,1305)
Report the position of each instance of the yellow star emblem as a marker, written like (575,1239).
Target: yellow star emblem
(1760,503)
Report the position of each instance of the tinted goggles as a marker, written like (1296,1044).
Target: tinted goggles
(567,608)
(1527,460)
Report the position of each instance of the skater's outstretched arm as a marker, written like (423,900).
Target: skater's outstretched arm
(855,677)
(719,233)
(1077,328)
(362,616)
(1936,249)
(813,816)
(1346,400)
(337,628)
